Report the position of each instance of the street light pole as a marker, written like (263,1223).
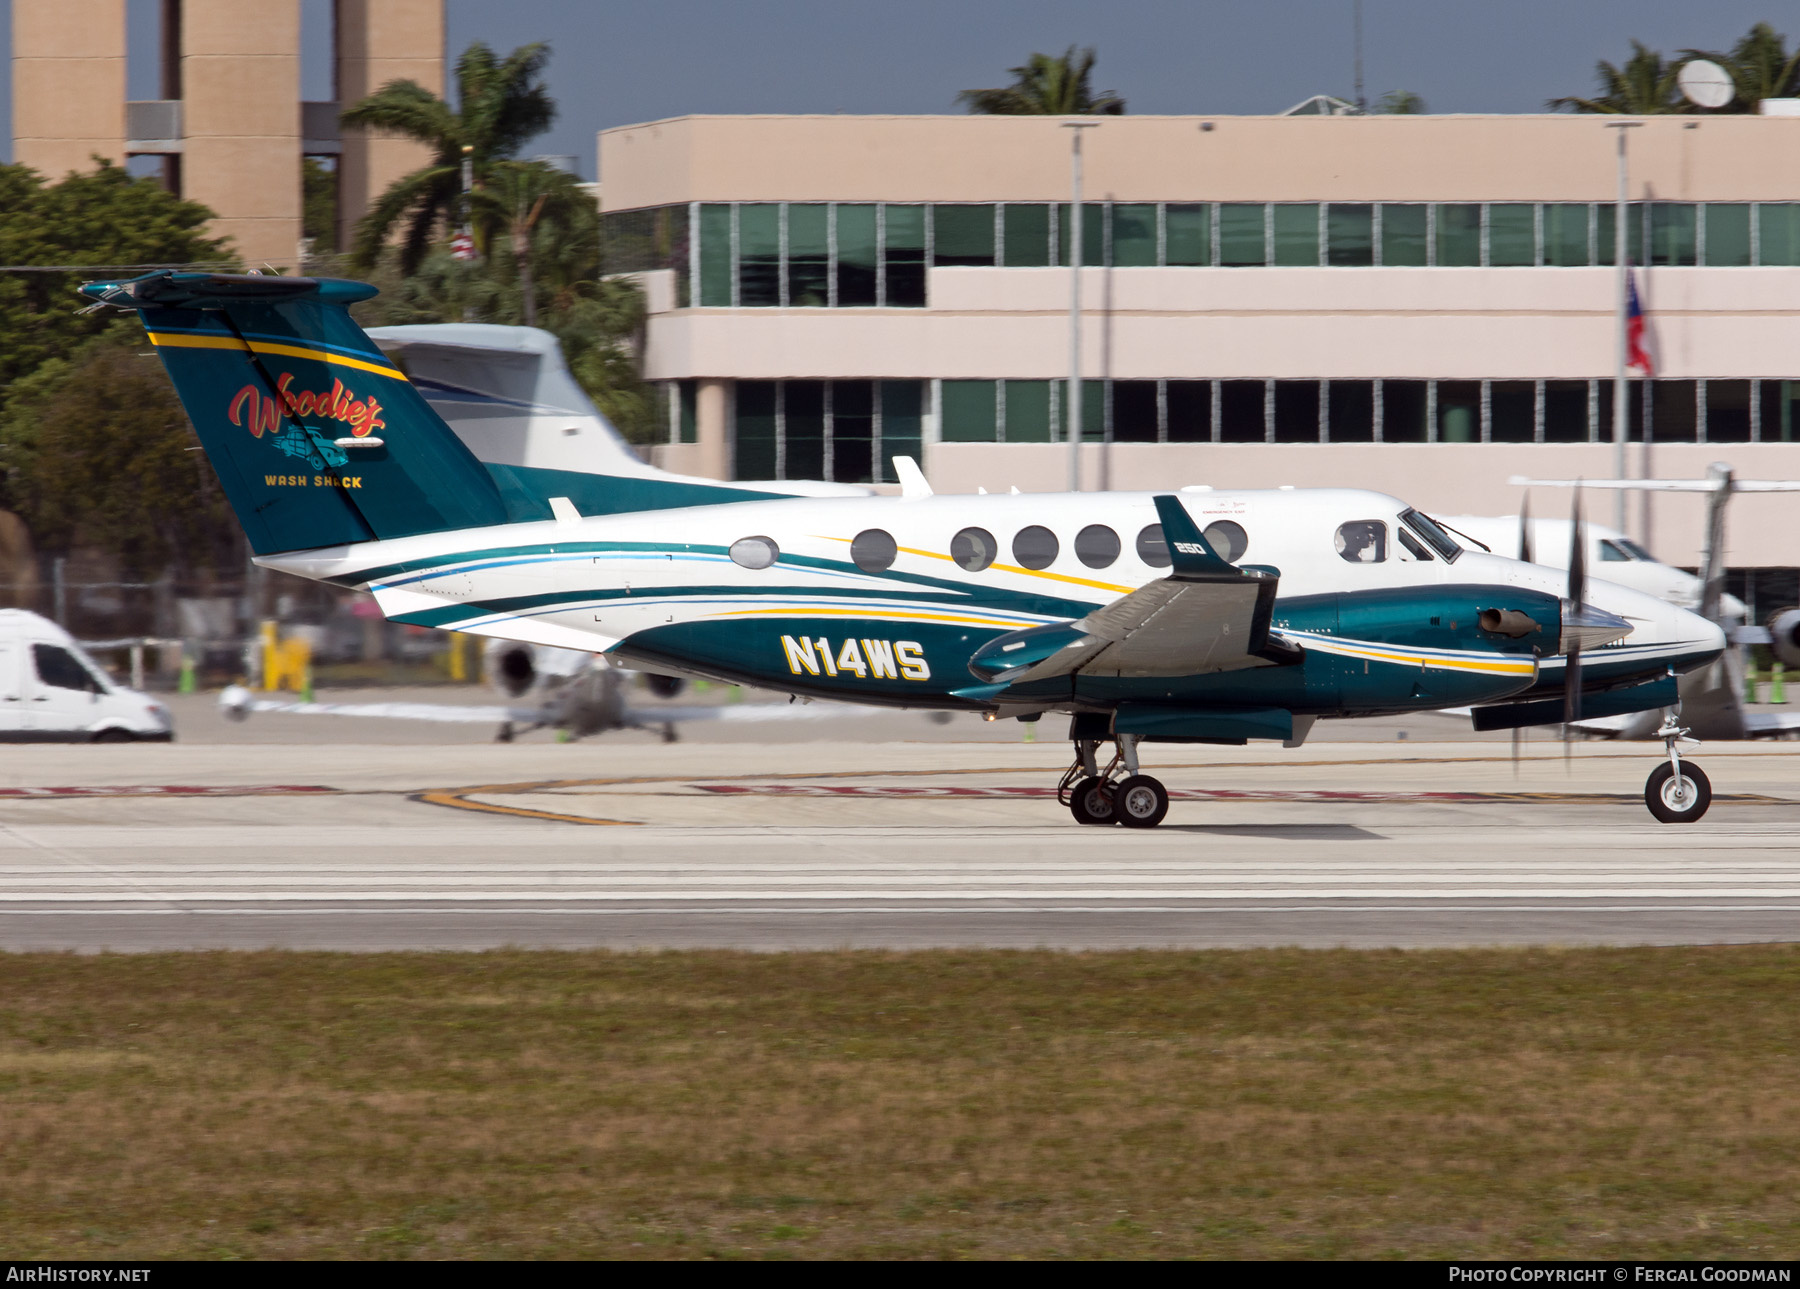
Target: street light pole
(1621,347)
(1072,419)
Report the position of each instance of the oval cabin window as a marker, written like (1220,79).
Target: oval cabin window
(973,549)
(755,552)
(1097,546)
(873,551)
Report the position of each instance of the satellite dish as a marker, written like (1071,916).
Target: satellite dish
(1705,84)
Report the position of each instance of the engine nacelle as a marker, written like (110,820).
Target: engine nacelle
(511,667)
(663,686)
(1784,637)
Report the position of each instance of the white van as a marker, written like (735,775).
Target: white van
(52,692)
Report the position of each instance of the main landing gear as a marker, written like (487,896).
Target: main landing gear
(1677,792)
(1135,800)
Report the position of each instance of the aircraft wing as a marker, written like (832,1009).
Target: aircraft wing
(1206,616)
(1770,724)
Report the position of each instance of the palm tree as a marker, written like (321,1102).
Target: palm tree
(502,103)
(1400,103)
(1760,67)
(1047,86)
(521,199)
(1644,87)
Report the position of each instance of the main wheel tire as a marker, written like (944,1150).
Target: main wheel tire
(1140,801)
(114,735)
(1092,802)
(1677,802)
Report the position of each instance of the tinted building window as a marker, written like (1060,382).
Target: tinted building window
(968,410)
(1134,411)
(1296,230)
(1403,407)
(903,256)
(1241,411)
(962,236)
(1350,235)
(1028,411)
(1133,235)
(856,264)
(1512,234)
(753,455)
(1188,234)
(1778,233)
(803,427)
(1780,421)
(759,254)
(1566,235)
(1093,233)
(852,456)
(1352,411)
(1189,410)
(1673,413)
(715,256)
(1728,234)
(1565,411)
(1605,219)
(808,259)
(1026,241)
(1727,411)
(1672,241)
(1459,411)
(1459,234)
(902,420)
(1403,241)
(1296,411)
(1243,239)
(1512,405)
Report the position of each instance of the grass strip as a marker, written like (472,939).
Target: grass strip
(1579,1103)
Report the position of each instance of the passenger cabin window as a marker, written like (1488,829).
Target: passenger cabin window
(1435,537)
(1412,545)
(755,552)
(873,550)
(1362,541)
(57,666)
(1228,540)
(1613,552)
(1097,546)
(1152,548)
(1035,547)
(973,549)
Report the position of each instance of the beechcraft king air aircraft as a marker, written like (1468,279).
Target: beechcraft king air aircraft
(1194,617)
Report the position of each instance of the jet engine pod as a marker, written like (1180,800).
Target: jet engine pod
(512,667)
(1784,636)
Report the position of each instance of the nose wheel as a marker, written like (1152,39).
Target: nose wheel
(1095,797)
(1677,791)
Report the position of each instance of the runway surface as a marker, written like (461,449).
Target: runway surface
(773,846)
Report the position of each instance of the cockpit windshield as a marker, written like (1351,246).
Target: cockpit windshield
(1637,552)
(1435,537)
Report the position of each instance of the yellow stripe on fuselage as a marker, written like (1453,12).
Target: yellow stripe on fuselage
(1495,665)
(178,341)
(1026,572)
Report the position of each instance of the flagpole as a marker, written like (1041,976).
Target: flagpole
(1621,288)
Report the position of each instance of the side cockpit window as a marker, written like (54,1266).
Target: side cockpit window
(1412,545)
(1613,553)
(1362,541)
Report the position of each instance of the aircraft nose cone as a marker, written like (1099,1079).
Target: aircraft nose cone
(1588,627)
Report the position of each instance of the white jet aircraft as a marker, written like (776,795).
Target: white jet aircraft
(1204,616)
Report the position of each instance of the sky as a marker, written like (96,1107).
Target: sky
(614,64)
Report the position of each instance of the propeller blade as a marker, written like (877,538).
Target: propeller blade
(1577,553)
(1525,552)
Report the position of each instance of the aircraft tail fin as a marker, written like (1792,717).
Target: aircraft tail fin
(317,438)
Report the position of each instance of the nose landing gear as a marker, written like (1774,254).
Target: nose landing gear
(1096,798)
(1676,792)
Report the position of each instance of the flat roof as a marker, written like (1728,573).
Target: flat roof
(1434,157)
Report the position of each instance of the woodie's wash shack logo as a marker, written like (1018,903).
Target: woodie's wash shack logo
(261,415)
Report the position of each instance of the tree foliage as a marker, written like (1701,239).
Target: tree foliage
(98,453)
(104,220)
(1047,85)
(502,103)
(1400,103)
(1645,86)
(1759,65)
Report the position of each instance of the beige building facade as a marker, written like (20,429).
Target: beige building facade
(1423,305)
(229,122)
